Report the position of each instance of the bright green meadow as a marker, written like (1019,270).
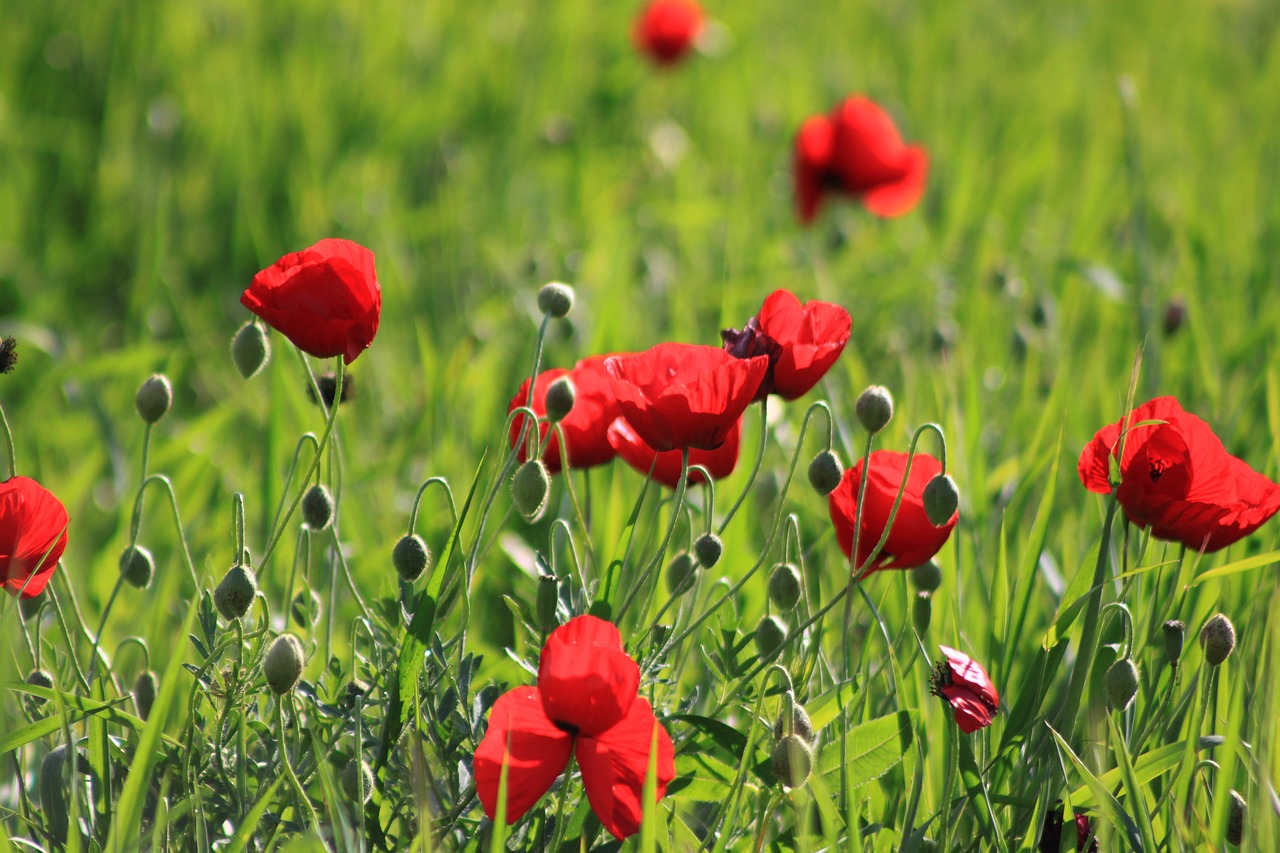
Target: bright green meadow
(1098,169)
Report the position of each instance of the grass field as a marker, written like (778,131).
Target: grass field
(1091,163)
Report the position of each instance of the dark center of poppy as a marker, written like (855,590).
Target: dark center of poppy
(568,728)
(1157,468)
(752,342)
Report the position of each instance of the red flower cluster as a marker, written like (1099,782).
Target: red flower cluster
(801,341)
(587,423)
(1177,478)
(325,299)
(33,535)
(666,29)
(913,540)
(586,703)
(856,150)
(967,688)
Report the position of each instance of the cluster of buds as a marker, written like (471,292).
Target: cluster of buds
(793,742)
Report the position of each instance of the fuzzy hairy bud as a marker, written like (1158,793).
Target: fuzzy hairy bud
(317,507)
(874,408)
(555,298)
(560,398)
(708,548)
(927,577)
(235,592)
(785,587)
(1173,632)
(1218,636)
(825,472)
(792,761)
(1236,813)
(530,487)
(680,573)
(801,724)
(941,499)
(1121,683)
(357,781)
(137,566)
(283,664)
(250,349)
(548,598)
(154,397)
(922,611)
(144,692)
(410,557)
(770,635)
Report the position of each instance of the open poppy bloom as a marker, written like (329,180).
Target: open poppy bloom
(913,540)
(594,408)
(33,535)
(325,299)
(856,150)
(1177,479)
(640,456)
(666,29)
(801,341)
(684,396)
(966,687)
(586,703)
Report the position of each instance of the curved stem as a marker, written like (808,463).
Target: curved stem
(676,503)
(417,502)
(298,791)
(755,468)
(8,444)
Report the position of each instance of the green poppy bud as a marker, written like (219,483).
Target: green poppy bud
(559,399)
(922,611)
(680,573)
(1121,683)
(825,472)
(547,601)
(708,548)
(304,610)
(154,397)
(317,507)
(356,689)
(357,781)
(927,577)
(1174,631)
(8,354)
(410,557)
(283,664)
(144,692)
(1235,819)
(801,724)
(792,761)
(38,678)
(874,408)
(941,499)
(137,566)
(555,298)
(250,349)
(785,586)
(1218,638)
(770,635)
(235,592)
(530,487)
(53,791)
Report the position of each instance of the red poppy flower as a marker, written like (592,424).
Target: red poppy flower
(666,29)
(324,299)
(586,702)
(1178,479)
(678,396)
(33,535)
(594,408)
(640,456)
(858,151)
(913,540)
(802,342)
(967,688)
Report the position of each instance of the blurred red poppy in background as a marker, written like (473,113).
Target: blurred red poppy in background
(857,150)
(33,535)
(586,703)
(1178,479)
(801,341)
(913,540)
(640,456)
(667,29)
(967,688)
(585,427)
(678,396)
(325,299)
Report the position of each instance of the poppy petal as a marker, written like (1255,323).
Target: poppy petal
(615,764)
(585,677)
(535,752)
(640,456)
(33,536)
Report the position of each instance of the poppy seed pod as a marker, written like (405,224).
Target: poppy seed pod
(825,472)
(801,724)
(1235,819)
(1121,683)
(874,408)
(708,548)
(927,577)
(357,781)
(283,664)
(680,573)
(792,761)
(410,557)
(544,610)
(922,611)
(555,298)
(305,608)
(235,592)
(1173,631)
(770,635)
(560,397)
(250,349)
(785,587)
(154,397)
(529,488)
(941,499)
(144,692)
(317,507)
(137,566)
(1218,638)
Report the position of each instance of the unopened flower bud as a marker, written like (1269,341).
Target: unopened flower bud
(785,586)
(530,487)
(555,298)
(1175,315)
(874,408)
(38,678)
(137,566)
(1174,631)
(317,507)
(792,761)
(410,557)
(548,599)
(235,592)
(283,664)
(801,724)
(708,548)
(559,399)
(327,383)
(8,354)
(1236,813)
(922,611)
(144,692)
(304,610)
(250,349)
(53,792)
(356,689)
(154,397)
(1218,638)
(941,499)
(680,573)
(1121,683)
(357,781)
(825,472)
(29,607)
(927,577)
(770,635)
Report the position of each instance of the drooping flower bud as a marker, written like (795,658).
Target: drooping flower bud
(137,566)
(785,587)
(154,397)
(770,635)
(144,692)
(941,499)
(545,607)
(801,724)
(555,298)
(328,386)
(235,592)
(1173,631)
(283,664)
(250,349)
(560,398)
(792,761)
(356,689)
(1121,683)
(680,573)
(410,557)
(1236,813)
(304,610)
(825,472)
(357,781)
(38,678)
(317,507)
(874,408)
(927,577)
(530,487)
(53,792)
(1218,638)
(922,611)
(708,548)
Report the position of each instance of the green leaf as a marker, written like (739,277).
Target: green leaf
(874,747)
(1133,789)
(1102,796)
(1249,563)
(1149,765)
(77,709)
(244,832)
